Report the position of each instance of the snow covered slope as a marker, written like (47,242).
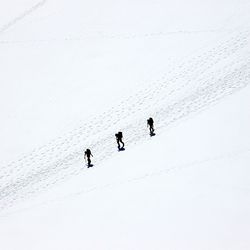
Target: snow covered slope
(74,73)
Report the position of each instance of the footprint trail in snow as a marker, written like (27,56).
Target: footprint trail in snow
(186,89)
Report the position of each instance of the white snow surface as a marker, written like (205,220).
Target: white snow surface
(73,73)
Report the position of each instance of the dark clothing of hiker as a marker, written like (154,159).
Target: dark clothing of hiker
(119,140)
(87,154)
(150,124)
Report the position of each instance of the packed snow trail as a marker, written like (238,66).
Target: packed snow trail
(185,90)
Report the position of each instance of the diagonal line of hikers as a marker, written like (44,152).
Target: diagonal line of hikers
(120,143)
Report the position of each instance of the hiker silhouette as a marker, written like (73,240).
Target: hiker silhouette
(119,137)
(87,155)
(150,124)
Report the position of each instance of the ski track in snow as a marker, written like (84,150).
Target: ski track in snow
(23,15)
(185,90)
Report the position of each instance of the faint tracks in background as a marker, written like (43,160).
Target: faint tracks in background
(118,36)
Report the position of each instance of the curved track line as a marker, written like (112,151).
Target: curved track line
(137,178)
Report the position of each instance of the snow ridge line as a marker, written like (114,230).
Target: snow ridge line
(22,16)
(231,78)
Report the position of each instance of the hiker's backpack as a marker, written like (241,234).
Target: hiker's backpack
(120,135)
(150,121)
